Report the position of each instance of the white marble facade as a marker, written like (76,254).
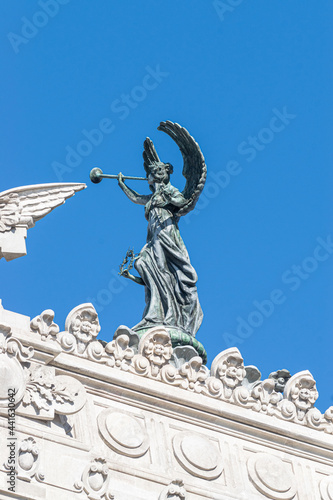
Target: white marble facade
(124,421)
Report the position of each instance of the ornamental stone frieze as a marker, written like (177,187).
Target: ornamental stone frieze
(37,390)
(81,329)
(136,418)
(282,396)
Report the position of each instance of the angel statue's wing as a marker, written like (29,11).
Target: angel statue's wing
(22,207)
(149,154)
(194,170)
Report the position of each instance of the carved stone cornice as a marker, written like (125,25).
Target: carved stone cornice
(281,396)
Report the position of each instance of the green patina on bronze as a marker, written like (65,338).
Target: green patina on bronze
(163,264)
(181,338)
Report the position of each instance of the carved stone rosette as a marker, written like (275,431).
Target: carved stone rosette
(81,329)
(302,392)
(154,352)
(227,373)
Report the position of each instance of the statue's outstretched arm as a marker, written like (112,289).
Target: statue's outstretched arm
(140,199)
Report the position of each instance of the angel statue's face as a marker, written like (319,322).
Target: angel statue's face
(159,173)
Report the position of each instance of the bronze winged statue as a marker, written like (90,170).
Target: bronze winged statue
(163,264)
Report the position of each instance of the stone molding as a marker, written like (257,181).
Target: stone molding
(153,423)
(289,398)
(38,392)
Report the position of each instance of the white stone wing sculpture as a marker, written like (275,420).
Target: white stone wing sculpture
(22,207)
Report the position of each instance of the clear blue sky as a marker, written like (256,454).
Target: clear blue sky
(253,85)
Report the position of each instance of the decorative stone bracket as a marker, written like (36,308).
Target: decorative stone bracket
(44,325)
(175,490)
(36,390)
(29,461)
(46,394)
(95,480)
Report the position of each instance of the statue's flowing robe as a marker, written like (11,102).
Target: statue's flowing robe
(165,268)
